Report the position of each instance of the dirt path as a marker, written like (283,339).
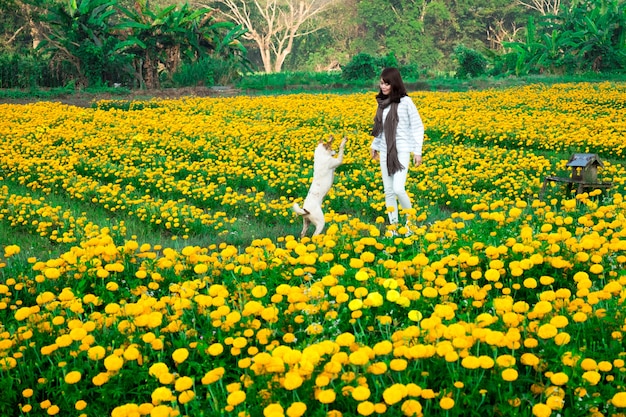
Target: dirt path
(85,99)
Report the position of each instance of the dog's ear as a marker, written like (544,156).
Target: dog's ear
(331,138)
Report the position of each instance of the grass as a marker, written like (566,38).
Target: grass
(297,82)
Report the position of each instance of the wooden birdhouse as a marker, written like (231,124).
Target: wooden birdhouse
(585,167)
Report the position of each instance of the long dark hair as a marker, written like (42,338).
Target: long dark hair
(392,77)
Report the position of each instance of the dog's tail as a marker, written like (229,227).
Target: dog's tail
(299,210)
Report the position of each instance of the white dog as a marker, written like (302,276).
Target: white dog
(324,165)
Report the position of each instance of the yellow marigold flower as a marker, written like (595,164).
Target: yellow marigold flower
(161,395)
(375,299)
(80,405)
(131,353)
(180,355)
(292,381)
(359,357)
(619,400)
(505,360)
(213,375)
(547,331)
(186,396)
(367,257)
(22,313)
(259,291)
(394,394)
(27,393)
(428,394)
(157,369)
(235,398)
(215,349)
(7,363)
(233,386)
(183,383)
(492,275)
(529,359)
(356,304)
(361,393)
(11,250)
(296,409)
(113,363)
(326,396)
(411,408)
(52,273)
(509,375)
(530,283)
(383,348)
(161,411)
(415,315)
(345,339)
(470,362)
(559,378)
(562,339)
(446,403)
(555,402)
(337,270)
(365,408)
(377,368)
(273,410)
(72,377)
(541,410)
(559,321)
(592,377)
(356,263)
(53,410)
(589,364)
(100,379)
(398,364)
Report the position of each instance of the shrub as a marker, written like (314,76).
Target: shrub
(208,71)
(25,71)
(471,63)
(503,64)
(367,67)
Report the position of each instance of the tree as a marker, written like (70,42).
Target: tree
(273,24)
(167,36)
(590,35)
(79,33)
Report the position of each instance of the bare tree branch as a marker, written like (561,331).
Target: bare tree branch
(542,6)
(499,34)
(12,38)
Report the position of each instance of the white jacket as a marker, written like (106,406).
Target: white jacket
(410,131)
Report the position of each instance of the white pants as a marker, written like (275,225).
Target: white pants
(394,185)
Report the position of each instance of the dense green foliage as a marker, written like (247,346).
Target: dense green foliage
(141,44)
(100,42)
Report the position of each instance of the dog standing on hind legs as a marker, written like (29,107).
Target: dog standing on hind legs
(324,165)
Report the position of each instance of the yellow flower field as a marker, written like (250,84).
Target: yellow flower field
(149,264)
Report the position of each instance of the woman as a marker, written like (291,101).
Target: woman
(398,132)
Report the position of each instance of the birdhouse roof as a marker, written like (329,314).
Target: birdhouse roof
(584,160)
